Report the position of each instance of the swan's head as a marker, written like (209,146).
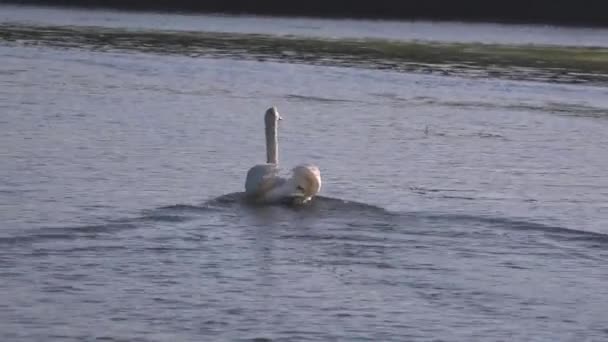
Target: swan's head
(307,180)
(272,116)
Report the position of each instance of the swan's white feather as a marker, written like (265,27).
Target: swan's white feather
(263,183)
(259,177)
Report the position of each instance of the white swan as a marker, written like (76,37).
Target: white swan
(263,183)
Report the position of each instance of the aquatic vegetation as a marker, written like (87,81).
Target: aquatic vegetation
(530,62)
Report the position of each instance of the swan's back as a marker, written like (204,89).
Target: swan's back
(258,178)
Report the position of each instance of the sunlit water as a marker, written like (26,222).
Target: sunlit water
(453,208)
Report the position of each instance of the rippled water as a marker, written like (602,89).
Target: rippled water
(455,206)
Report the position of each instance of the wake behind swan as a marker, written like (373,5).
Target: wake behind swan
(263,183)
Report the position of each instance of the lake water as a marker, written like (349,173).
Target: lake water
(462,200)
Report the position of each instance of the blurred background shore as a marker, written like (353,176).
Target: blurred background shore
(560,12)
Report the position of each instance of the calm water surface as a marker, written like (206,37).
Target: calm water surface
(453,208)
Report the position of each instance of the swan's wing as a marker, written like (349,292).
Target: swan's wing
(263,184)
(307,179)
(274,189)
(259,178)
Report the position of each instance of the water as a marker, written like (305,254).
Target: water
(454,207)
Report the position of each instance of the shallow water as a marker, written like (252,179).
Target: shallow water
(453,208)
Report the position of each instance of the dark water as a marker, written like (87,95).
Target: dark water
(457,205)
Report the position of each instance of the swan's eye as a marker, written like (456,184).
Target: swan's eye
(301,188)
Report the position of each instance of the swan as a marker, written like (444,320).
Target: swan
(263,183)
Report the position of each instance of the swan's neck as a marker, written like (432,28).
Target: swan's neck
(272,143)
